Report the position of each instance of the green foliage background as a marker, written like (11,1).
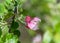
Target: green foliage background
(47,10)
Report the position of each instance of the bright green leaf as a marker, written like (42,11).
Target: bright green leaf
(2,9)
(57,38)
(10,38)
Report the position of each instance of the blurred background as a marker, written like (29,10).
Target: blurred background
(49,27)
(49,12)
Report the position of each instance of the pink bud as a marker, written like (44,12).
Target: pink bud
(28,19)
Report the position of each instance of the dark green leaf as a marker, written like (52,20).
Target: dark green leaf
(17,32)
(18,42)
(14,25)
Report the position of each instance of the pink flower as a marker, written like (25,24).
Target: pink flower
(33,23)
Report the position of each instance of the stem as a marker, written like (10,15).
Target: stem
(15,12)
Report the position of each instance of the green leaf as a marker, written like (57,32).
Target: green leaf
(3,38)
(7,16)
(0,32)
(2,9)
(10,38)
(8,1)
(57,27)
(57,38)
(18,42)
(5,30)
(17,32)
(14,25)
